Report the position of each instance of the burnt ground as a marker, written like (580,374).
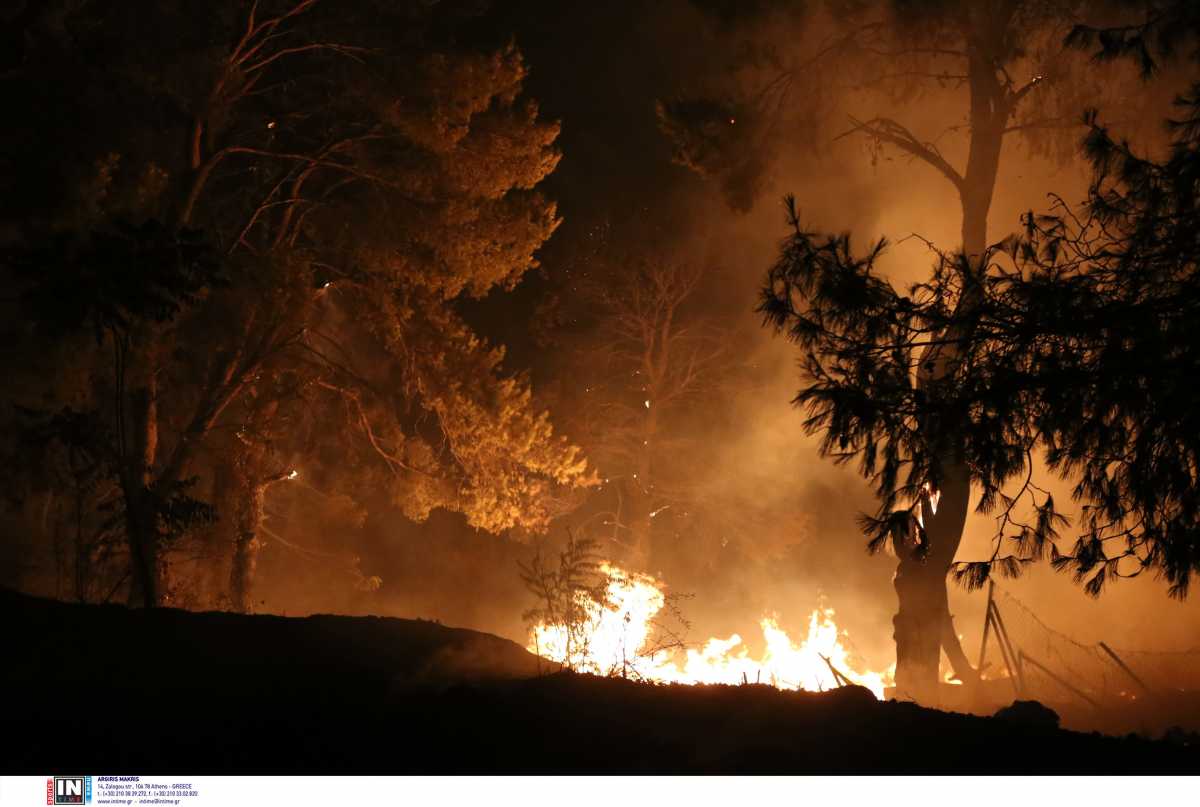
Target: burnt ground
(108,690)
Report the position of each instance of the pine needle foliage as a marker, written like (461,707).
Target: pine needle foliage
(1080,348)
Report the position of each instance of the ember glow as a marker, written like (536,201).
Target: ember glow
(620,638)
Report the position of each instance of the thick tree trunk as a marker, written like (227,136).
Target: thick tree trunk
(920,591)
(245,549)
(242,571)
(923,624)
(250,484)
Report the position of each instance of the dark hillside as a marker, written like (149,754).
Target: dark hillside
(108,689)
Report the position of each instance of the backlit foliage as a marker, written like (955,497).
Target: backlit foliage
(1078,352)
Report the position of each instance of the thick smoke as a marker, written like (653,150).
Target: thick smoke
(601,68)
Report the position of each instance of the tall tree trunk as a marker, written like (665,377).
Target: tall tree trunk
(920,590)
(923,624)
(245,548)
(250,482)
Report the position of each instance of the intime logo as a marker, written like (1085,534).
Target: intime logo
(69,790)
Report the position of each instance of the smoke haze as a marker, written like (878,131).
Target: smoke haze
(786,535)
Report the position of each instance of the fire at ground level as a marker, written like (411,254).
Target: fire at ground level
(623,634)
(624,628)
(110,688)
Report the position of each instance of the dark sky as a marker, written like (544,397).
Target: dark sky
(599,68)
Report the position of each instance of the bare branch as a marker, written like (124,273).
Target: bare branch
(889,131)
(344,50)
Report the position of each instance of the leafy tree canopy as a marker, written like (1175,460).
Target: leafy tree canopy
(270,209)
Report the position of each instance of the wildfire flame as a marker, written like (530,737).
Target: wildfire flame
(618,638)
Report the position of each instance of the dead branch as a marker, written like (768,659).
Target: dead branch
(889,131)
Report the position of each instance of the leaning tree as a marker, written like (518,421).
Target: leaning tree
(1006,63)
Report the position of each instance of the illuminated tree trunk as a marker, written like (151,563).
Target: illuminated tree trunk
(245,549)
(250,481)
(142,471)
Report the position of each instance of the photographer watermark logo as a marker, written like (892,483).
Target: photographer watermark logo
(69,790)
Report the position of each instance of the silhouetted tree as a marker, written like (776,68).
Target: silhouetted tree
(129,286)
(1077,346)
(1008,59)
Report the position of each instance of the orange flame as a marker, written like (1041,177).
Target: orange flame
(618,640)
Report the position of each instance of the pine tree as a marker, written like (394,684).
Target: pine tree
(1076,349)
(1007,61)
(346,174)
